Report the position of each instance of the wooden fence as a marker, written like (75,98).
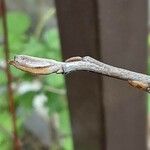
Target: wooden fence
(105,113)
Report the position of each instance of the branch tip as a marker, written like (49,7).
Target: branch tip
(47,66)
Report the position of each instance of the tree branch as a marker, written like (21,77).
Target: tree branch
(47,66)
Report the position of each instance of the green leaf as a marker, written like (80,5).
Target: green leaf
(17,22)
(55,103)
(4,115)
(65,129)
(6,123)
(34,48)
(16,73)
(16,43)
(1,51)
(51,38)
(3,77)
(54,80)
(5,141)
(68,144)
(3,100)
(25,100)
(65,122)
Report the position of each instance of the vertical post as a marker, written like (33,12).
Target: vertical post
(114,31)
(123,26)
(78,24)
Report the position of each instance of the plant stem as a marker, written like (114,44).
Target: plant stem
(9,77)
(43,66)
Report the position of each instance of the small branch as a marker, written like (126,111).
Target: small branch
(47,66)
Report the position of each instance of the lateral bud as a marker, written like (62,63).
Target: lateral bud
(140,85)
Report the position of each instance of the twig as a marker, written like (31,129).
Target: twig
(9,77)
(47,66)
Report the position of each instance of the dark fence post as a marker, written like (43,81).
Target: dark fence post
(79,33)
(123,26)
(116,32)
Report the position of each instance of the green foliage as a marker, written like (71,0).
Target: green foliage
(17,23)
(23,41)
(4,141)
(7,123)
(55,103)
(3,78)
(25,100)
(54,80)
(66,130)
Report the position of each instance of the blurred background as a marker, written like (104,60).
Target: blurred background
(34,110)
(42,117)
